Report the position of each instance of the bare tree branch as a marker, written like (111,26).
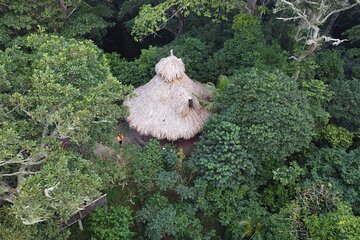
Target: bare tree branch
(338,11)
(310,20)
(17,173)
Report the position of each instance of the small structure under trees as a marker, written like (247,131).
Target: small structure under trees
(168,106)
(85,211)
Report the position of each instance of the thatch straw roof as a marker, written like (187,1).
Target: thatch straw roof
(168,107)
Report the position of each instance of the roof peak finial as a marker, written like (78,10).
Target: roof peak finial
(171,52)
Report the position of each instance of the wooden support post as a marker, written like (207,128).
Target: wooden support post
(80,225)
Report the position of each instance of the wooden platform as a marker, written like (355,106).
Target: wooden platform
(85,211)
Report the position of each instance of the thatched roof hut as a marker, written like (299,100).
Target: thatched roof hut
(167,107)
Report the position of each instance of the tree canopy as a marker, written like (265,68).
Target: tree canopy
(277,159)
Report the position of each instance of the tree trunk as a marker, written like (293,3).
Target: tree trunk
(250,5)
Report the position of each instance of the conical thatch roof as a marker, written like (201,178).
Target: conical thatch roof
(167,107)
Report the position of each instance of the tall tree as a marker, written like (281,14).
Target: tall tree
(73,18)
(57,92)
(154,18)
(273,115)
(311,17)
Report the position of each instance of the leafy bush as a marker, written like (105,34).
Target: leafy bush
(11,228)
(352,63)
(344,105)
(286,224)
(162,219)
(245,221)
(239,51)
(339,168)
(273,114)
(338,137)
(167,180)
(330,66)
(220,157)
(246,49)
(20,18)
(236,209)
(137,72)
(170,156)
(145,165)
(339,224)
(318,94)
(111,223)
(283,189)
(44,196)
(353,34)
(313,199)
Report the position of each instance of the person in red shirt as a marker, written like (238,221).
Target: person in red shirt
(120,138)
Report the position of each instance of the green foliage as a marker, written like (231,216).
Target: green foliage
(137,72)
(314,199)
(339,224)
(153,18)
(246,49)
(283,189)
(131,7)
(352,63)
(146,164)
(339,168)
(247,28)
(272,113)
(330,66)
(216,91)
(220,157)
(279,32)
(307,67)
(212,34)
(250,225)
(237,209)
(344,105)
(236,51)
(318,94)
(353,34)
(73,18)
(286,225)
(171,158)
(167,180)
(12,228)
(338,137)
(277,196)
(90,20)
(185,192)
(110,172)
(68,81)
(67,181)
(251,230)
(288,176)
(162,219)
(58,92)
(111,223)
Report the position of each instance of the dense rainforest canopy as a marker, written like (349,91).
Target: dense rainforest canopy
(278,159)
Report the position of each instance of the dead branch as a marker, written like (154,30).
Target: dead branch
(310,21)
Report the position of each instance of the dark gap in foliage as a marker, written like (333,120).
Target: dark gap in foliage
(118,39)
(344,22)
